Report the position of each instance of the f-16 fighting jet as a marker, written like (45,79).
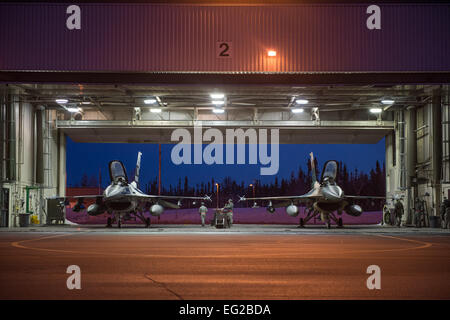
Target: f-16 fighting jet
(323,199)
(123,200)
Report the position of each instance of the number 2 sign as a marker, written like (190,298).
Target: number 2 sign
(224,49)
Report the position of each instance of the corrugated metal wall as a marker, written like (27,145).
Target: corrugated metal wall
(186,38)
(446,135)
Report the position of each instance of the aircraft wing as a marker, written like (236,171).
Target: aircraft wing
(161,199)
(86,197)
(364,197)
(156,197)
(79,197)
(305,197)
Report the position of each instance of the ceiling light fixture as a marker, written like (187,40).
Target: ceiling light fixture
(387,101)
(218,110)
(61,101)
(297,110)
(376,110)
(301,101)
(217,96)
(150,101)
(74,109)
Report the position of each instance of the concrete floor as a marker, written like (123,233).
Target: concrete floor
(245,262)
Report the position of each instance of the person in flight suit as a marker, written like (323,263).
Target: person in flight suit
(228,208)
(203,210)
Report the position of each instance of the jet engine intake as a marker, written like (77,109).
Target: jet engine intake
(353,210)
(292,210)
(156,209)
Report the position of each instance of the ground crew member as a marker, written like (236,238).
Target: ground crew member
(447,217)
(203,210)
(420,212)
(228,208)
(445,213)
(398,212)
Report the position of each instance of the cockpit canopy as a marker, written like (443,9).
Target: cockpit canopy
(117,172)
(329,172)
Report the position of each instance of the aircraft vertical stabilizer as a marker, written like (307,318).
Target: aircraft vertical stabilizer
(138,168)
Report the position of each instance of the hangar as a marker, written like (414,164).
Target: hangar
(134,72)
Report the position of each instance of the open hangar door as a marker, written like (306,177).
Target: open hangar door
(347,69)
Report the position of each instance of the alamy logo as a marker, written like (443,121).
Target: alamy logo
(74,280)
(373,22)
(213,153)
(73,21)
(374,280)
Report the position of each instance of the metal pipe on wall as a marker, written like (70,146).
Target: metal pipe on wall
(11,138)
(411,160)
(436,127)
(39,146)
(3,142)
(402,149)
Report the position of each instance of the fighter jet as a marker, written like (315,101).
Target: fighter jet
(325,198)
(123,200)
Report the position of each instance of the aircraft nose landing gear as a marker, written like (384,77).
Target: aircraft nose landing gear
(301,223)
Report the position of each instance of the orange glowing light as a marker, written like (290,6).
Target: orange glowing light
(272,53)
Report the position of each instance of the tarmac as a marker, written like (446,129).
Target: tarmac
(259,262)
(237,228)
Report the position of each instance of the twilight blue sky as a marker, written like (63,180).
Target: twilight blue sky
(89,158)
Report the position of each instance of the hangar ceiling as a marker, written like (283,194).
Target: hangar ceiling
(118,113)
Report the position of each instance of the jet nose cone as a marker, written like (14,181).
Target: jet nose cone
(332,193)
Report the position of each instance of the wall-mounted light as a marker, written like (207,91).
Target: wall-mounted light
(297,110)
(61,101)
(155,110)
(218,110)
(272,53)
